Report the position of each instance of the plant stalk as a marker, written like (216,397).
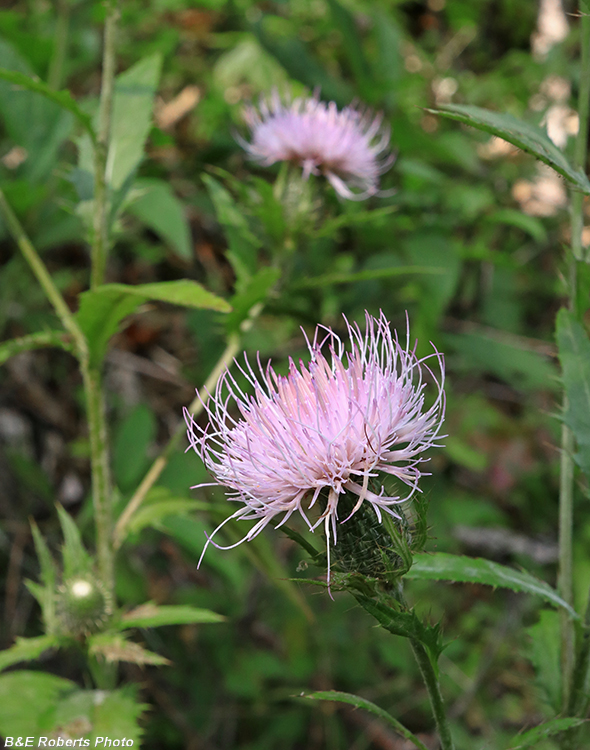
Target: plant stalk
(62,27)
(161,462)
(570,673)
(436,701)
(100,238)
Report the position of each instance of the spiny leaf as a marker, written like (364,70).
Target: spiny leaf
(523,135)
(76,559)
(27,649)
(462,569)
(114,647)
(358,702)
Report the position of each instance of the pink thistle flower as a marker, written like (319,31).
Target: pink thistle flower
(350,147)
(332,424)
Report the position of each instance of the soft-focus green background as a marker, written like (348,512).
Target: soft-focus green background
(486,216)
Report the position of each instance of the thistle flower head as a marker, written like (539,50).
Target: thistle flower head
(331,424)
(349,147)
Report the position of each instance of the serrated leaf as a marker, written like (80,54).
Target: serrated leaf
(154,616)
(76,559)
(255,292)
(158,208)
(102,309)
(132,117)
(99,713)
(523,135)
(574,355)
(28,701)
(442,566)
(406,624)
(63,98)
(358,702)
(548,729)
(242,244)
(114,647)
(26,649)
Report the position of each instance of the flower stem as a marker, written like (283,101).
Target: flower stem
(436,701)
(570,674)
(161,462)
(100,238)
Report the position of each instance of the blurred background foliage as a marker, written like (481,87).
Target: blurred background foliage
(485,221)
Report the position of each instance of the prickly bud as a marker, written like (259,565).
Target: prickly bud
(83,606)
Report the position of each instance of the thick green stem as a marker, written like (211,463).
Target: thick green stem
(101,477)
(436,701)
(570,673)
(100,239)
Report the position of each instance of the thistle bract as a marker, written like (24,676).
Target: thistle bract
(334,423)
(349,147)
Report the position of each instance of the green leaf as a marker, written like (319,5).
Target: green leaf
(574,355)
(132,117)
(96,714)
(462,569)
(38,340)
(26,649)
(544,652)
(160,503)
(242,244)
(154,203)
(523,135)
(154,616)
(358,702)
(76,560)
(255,292)
(28,701)
(378,273)
(529,224)
(114,647)
(133,439)
(62,98)
(548,729)
(101,310)
(45,594)
(406,624)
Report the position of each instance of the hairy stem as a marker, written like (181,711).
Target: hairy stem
(436,701)
(161,462)
(100,238)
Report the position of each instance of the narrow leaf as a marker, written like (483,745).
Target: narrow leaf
(154,616)
(353,48)
(358,702)
(330,279)
(548,729)
(63,98)
(76,559)
(462,569)
(523,135)
(101,310)
(256,291)
(574,355)
(26,649)
(45,594)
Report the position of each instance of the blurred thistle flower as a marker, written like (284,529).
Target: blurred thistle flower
(350,147)
(331,424)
